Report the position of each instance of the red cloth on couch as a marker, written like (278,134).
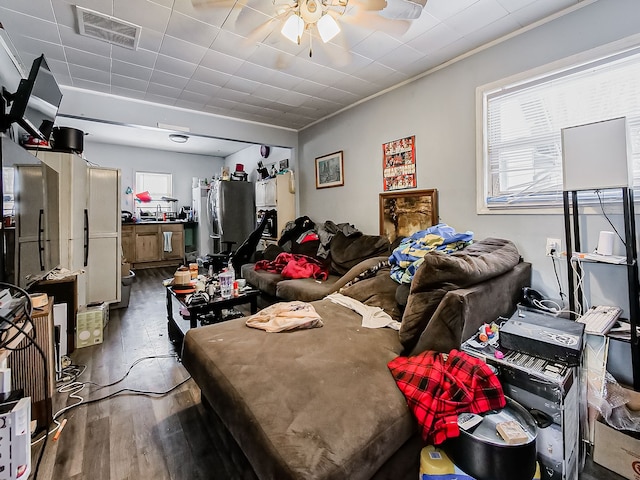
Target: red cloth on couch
(291,265)
(439,386)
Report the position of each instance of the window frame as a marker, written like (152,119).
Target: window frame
(559,68)
(156,205)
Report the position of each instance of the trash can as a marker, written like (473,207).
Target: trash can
(127,281)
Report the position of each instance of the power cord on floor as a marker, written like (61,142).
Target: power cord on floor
(73,388)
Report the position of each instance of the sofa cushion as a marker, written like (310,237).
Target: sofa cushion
(317,404)
(347,252)
(375,288)
(441,273)
(264,281)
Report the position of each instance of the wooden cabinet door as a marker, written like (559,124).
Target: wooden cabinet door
(177,246)
(148,244)
(128,244)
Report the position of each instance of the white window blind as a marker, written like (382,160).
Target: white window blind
(522,145)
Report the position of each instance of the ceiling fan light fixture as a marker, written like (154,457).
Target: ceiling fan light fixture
(178,138)
(328,28)
(293,28)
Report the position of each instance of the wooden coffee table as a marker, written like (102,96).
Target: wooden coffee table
(212,311)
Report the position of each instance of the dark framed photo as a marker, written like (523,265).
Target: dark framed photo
(330,170)
(404,213)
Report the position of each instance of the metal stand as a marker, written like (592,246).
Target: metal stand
(576,295)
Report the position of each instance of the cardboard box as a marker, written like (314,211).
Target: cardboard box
(617,451)
(125,268)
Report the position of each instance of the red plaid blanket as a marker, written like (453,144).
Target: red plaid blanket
(439,386)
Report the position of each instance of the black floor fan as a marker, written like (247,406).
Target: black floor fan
(244,253)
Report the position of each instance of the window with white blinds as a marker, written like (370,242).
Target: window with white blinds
(522,156)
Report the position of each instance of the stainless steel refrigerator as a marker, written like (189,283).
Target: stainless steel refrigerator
(226,213)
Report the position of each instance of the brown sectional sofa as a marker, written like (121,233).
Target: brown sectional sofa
(345,260)
(321,403)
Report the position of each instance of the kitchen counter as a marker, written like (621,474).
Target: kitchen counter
(186,223)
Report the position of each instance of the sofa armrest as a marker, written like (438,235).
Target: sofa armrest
(462,311)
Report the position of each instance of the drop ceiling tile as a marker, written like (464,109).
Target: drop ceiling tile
(130,70)
(28,26)
(444,10)
(163,90)
(177,48)
(65,13)
(202,88)
(375,73)
(87,60)
(164,3)
(425,22)
(141,57)
(95,5)
(357,86)
(293,99)
(271,58)
(476,16)
(433,40)
(207,75)
(174,66)
(70,38)
(194,97)
(500,27)
(191,30)
(150,40)
(376,45)
(221,62)
(400,57)
(340,96)
(142,13)
(93,75)
(250,23)
(36,8)
(513,5)
(269,92)
(243,85)
(89,85)
(169,80)
(35,48)
(213,15)
(257,72)
(129,82)
(281,80)
(311,88)
(228,42)
(60,71)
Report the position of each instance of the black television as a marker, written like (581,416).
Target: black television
(35,103)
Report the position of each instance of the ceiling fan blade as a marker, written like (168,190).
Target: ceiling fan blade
(262,31)
(369,5)
(374,21)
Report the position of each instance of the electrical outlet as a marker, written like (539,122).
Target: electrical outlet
(553,247)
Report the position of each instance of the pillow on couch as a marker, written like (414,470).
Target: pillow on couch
(440,273)
(346,252)
(375,288)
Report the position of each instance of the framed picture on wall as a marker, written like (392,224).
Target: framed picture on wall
(330,170)
(404,213)
(399,164)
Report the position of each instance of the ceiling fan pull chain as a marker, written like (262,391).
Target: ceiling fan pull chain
(310,44)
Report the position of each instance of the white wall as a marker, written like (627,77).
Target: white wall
(250,156)
(130,159)
(439,109)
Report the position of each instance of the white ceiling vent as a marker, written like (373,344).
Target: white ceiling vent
(107,28)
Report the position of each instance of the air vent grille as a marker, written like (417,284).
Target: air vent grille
(107,28)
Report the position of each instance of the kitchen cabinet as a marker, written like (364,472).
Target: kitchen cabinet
(147,241)
(277,194)
(144,244)
(90,218)
(37,217)
(176,241)
(128,243)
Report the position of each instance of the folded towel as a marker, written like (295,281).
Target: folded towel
(167,241)
(285,316)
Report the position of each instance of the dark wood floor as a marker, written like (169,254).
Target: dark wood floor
(131,437)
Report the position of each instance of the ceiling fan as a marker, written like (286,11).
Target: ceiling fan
(297,17)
